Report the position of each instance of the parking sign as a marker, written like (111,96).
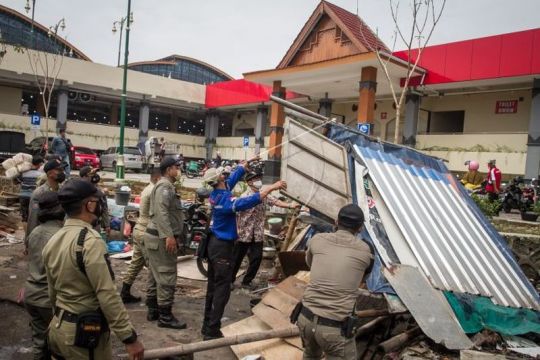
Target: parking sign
(35,121)
(364,128)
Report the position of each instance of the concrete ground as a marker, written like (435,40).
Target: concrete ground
(189,183)
(15,333)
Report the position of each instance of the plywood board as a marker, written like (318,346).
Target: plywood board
(280,301)
(293,287)
(276,320)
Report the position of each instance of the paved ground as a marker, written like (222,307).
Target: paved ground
(189,183)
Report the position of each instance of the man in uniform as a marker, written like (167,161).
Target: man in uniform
(54,169)
(138,259)
(223,233)
(36,297)
(81,287)
(338,262)
(28,181)
(163,235)
(91,174)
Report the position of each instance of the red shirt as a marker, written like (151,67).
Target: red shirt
(493,178)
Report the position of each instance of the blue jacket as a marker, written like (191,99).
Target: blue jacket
(59,146)
(224,207)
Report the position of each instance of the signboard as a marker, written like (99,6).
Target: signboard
(383,116)
(364,128)
(246,142)
(35,121)
(506,107)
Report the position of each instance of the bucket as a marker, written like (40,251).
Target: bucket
(275,225)
(122,197)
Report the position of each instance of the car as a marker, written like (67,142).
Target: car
(11,143)
(133,158)
(83,156)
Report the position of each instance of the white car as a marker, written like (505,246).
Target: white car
(133,158)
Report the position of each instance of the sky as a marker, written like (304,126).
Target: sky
(239,36)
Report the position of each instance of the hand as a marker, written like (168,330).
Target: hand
(295,206)
(255,158)
(135,350)
(108,231)
(279,185)
(170,245)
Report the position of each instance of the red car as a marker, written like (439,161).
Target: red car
(82,156)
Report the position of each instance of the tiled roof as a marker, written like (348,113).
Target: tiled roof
(357,26)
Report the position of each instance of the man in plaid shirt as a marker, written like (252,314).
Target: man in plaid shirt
(250,226)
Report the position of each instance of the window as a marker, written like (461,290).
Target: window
(132,151)
(85,151)
(446,122)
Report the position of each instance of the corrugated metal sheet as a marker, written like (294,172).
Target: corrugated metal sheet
(449,241)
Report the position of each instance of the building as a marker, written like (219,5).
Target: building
(473,99)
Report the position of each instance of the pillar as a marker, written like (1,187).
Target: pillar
(532,164)
(410,129)
(114,114)
(260,127)
(144,116)
(277,119)
(61,109)
(366,101)
(173,124)
(325,106)
(211,128)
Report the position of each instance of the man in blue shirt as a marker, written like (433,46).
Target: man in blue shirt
(60,147)
(221,243)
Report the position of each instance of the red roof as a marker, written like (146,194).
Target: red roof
(357,26)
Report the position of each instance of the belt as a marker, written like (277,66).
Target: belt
(321,320)
(66,316)
(154,232)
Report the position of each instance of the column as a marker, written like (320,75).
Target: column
(211,128)
(412,108)
(366,101)
(325,106)
(260,127)
(277,119)
(173,124)
(532,164)
(144,116)
(61,109)
(114,114)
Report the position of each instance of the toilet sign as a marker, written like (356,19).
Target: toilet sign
(364,128)
(35,121)
(246,142)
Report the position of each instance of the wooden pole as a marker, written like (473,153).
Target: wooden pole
(398,341)
(217,343)
(364,329)
(290,230)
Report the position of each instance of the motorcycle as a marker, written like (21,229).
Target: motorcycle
(512,195)
(196,225)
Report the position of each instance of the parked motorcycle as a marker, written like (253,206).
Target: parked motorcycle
(511,198)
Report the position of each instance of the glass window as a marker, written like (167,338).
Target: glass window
(85,151)
(132,151)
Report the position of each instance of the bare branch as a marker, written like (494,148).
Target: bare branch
(395,18)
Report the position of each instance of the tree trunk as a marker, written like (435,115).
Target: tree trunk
(398,120)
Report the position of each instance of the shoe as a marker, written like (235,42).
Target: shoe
(167,319)
(153,313)
(212,335)
(126,296)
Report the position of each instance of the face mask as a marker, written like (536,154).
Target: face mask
(95,179)
(60,177)
(257,184)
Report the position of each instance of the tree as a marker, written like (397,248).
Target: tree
(46,66)
(424,16)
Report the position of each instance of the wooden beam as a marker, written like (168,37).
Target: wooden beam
(366,100)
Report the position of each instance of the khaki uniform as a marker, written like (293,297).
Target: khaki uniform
(338,262)
(138,259)
(33,209)
(36,296)
(71,291)
(166,220)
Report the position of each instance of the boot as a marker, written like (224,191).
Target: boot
(152,305)
(212,334)
(167,319)
(126,296)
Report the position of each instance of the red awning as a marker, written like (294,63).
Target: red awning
(239,92)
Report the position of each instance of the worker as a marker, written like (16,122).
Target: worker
(338,263)
(250,224)
(472,179)
(164,234)
(139,258)
(36,296)
(54,170)
(81,285)
(28,181)
(222,235)
(104,222)
(493,181)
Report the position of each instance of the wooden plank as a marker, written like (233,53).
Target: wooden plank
(280,301)
(275,319)
(478,355)
(293,287)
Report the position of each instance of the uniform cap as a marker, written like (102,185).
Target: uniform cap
(351,216)
(252,175)
(48,200)
(76,190)
(53,164)
(85,170)
(168,162)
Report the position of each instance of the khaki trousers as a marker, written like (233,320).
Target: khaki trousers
(39,322)
(163,272)
(139,259)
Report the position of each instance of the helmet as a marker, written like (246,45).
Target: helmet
(211,176)
(474,165)
(252,175)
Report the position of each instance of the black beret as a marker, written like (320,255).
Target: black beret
(77,190)
(351,216)
(53,164)
(252,175)
(168,162)
(37,160)
(85,170)
(48,200)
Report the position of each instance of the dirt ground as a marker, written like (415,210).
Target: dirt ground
(15,338)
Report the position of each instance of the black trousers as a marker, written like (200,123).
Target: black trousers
(218,291)
(254,251)
(25,204)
